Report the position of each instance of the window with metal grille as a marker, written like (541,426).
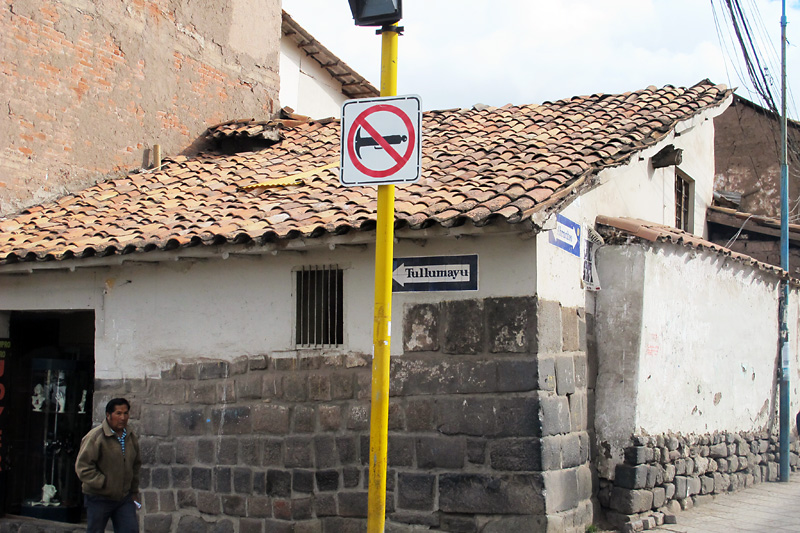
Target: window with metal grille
(683,202)
(319,321)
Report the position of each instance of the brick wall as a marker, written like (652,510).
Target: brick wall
(488,431)
(89,86)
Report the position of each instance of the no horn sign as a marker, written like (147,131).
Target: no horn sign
(381,141)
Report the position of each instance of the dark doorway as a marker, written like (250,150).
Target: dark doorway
(49,383)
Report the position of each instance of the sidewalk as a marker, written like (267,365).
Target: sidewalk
(765,507)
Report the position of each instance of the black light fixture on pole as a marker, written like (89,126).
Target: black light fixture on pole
(376,12)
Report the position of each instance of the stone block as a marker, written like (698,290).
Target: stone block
(299,452)
(510,324)
(222,479)
(638,455)
(416,491)
(325,451)
(463,324)
(249,525)
(186,499)
(347,448)
(319,387)
(571,450)
(517,376)
(659,497)
(578,411)
(184,422)
(268,418)
(420,415)
(694,485)
(400,451)
(302,509)
(273,452)
(570,334)
(326,505)
(234,505)
(476,451)
(352,504)
(295,387)
(421,328)
(488,416)
(250,451)
(631,477)
(555,416)
(440,452)
(303,419)
(242,480)
(201,478)
(231,420)
(279,483)
(181,477)
(158,523)
(330,417)
(561,490)
(166,453)
(351,477)
(259,506)
(565,375)
(155,420)
(208,503)
(706,484)
(327,480)
(548,327)
(342,386)
(516,524)
(249,387)
(159,478)
(516,454)
(227,451)
(212,370)
(358,417)
(303,481)
(629,501)
(546,373)
(551,452)
(484,494)
(396,417)
(581,371)
(586,482)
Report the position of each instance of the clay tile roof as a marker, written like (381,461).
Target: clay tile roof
(623,229)
(479,166)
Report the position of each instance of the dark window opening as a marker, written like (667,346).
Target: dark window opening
(319,319)
(48,378)
(683,202)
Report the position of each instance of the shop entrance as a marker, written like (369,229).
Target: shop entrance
(49,371)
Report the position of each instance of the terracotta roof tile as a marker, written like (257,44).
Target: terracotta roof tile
(650,231)
(480,165)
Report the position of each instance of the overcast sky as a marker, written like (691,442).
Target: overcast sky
(459,53)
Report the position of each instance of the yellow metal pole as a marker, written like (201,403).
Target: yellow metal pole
(381,334)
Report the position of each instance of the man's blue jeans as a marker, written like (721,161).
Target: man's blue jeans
(122,514)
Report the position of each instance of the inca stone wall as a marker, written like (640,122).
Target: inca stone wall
(489,431)
(668,473)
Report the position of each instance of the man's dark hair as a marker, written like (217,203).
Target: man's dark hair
(112,405)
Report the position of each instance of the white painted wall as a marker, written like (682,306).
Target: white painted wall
(305,86)
(687,342)
(633,190)
(149,315)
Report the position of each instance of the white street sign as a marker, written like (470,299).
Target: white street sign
(381,141)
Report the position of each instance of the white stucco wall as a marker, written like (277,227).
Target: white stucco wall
(149,315)
(633,190)
(305,86)
(687,342)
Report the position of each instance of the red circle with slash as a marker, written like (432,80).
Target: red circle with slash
(361,122)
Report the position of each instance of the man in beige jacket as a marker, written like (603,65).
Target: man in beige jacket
(108,466)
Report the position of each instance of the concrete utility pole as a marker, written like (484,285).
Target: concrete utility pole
(785,404)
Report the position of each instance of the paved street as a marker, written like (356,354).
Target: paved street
(766,507)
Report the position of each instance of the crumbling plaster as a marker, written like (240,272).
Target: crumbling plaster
(687,343)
